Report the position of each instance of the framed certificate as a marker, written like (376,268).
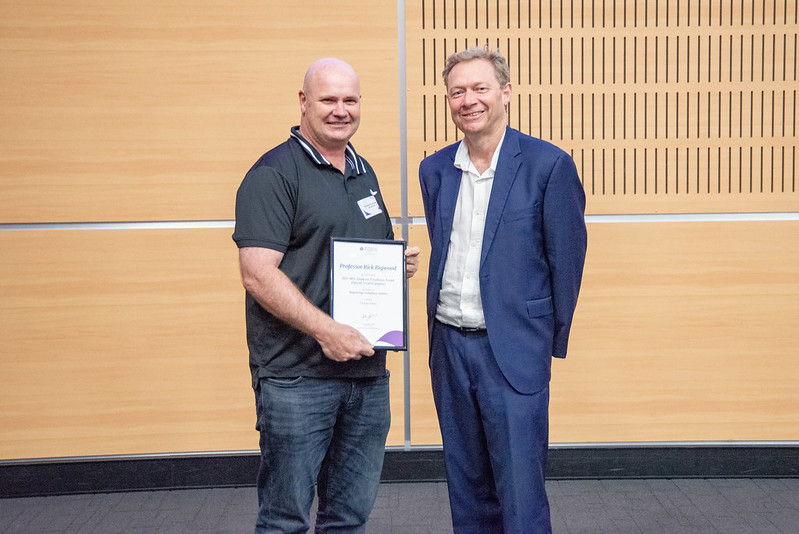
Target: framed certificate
(368,289)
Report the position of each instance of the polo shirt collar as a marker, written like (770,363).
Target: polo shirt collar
(353,159)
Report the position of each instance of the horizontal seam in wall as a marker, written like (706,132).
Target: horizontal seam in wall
(614,218)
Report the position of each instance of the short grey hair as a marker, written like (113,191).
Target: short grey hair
(501,69)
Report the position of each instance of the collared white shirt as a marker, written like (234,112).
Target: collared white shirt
(459,302)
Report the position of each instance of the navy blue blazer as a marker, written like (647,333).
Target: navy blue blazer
(534,246)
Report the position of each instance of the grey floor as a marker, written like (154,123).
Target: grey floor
(578,506)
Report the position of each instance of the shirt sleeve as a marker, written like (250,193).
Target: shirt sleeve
(265,205)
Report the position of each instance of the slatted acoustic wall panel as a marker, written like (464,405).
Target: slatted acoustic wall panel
(666,106)
(681,117)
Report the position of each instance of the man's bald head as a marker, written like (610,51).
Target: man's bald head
(324,66)
(330,106)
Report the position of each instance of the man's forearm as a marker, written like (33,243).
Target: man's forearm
(278,295)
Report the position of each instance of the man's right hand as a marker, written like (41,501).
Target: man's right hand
(343,343)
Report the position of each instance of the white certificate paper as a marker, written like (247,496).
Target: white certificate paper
(369,289)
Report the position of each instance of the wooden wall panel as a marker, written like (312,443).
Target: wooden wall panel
(122,341)
(665,106)
(125,342)
(118,342)
(683,332)
(396,366)
(424,422)
(120,111)
(129,341)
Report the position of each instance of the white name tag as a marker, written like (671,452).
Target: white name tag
(369,207)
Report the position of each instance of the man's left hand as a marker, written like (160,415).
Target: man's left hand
(411,261)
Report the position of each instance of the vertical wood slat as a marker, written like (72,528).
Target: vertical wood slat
(671,90)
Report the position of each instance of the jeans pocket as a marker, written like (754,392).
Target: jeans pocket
(284,382)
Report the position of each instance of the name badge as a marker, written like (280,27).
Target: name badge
(369,207)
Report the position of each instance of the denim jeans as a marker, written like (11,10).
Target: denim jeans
(323,433)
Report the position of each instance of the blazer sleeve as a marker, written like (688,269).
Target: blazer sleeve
(429,189)
(565,241)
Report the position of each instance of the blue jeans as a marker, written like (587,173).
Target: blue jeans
(323,433)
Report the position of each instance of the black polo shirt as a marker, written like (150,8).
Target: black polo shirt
(294,201)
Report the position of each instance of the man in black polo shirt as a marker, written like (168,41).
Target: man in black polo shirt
(321,391)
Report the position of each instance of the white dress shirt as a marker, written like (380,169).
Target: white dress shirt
(459,303)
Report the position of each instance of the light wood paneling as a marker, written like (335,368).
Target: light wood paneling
(683,332)
(424,422)
(667,107)
(120,111)
(396,366)
(133,341)
(122,341)
(127,341)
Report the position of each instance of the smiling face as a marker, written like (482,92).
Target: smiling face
(330,102)
(477,102)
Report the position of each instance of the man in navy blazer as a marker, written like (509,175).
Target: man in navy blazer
(505,216)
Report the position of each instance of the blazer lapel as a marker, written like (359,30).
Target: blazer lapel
(507,165)
(448,196)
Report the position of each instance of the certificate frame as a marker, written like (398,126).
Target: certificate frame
(369,289)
